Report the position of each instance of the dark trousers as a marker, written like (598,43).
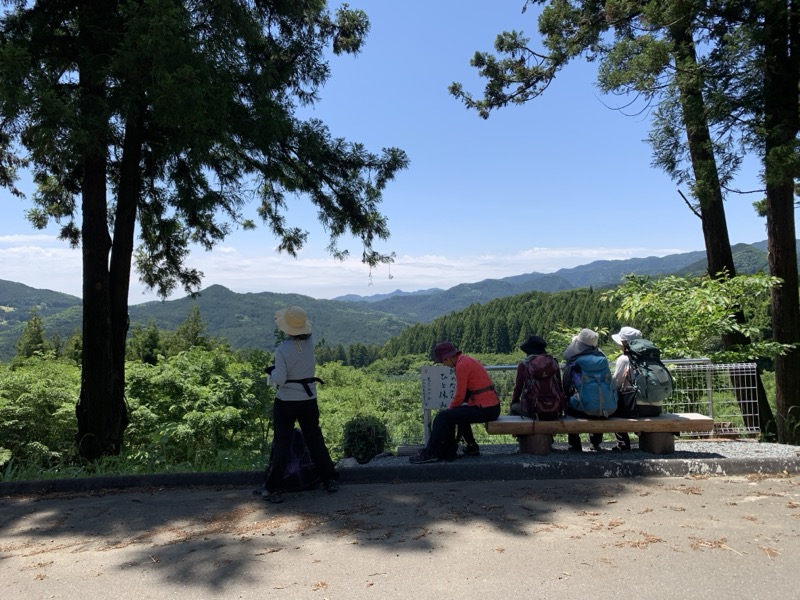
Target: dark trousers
(306,414)
(574,439)
(444,443)
(464,432)
(623,439)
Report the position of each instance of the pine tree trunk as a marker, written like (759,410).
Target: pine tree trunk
(782,122)
(101,412)
(708,189)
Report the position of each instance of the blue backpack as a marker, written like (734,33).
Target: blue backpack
(594,392)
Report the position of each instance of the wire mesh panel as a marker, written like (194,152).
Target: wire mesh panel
(725,392)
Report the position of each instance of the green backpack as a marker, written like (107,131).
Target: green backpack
(651,379)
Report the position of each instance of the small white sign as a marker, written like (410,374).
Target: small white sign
(438,386)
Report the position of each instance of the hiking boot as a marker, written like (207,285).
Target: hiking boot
(331,486)
(472,450)
(273,497)
(423,457)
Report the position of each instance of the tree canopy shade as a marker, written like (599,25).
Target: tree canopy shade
(723,78)
(164,119)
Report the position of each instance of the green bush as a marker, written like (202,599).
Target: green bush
(37,411)
(198,408)
(364,437)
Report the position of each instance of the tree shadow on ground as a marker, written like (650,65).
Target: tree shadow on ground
(210,537)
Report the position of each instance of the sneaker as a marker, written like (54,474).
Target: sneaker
(621,448)
(273,497)
(331,486)
(575,448)
(422,457)
(597,447)
(471,450)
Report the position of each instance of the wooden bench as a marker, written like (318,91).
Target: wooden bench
(655,433)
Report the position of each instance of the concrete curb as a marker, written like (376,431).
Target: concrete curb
(589,469)
(523,468)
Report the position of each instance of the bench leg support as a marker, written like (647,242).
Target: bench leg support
(537,443)
(657,442)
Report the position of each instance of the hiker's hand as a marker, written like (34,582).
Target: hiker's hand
(269,369)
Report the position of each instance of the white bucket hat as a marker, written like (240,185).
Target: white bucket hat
(292,321)
(626,334)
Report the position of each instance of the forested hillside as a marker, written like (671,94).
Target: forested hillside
(247,320)
(501,325)
(748,260)
(18,300)
(424,308)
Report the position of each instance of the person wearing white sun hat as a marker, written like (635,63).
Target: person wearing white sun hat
(293,374)
(625,335)
(623,383)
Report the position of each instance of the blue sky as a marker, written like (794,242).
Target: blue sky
(559,182)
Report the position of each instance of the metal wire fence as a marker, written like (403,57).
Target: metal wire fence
(725,392)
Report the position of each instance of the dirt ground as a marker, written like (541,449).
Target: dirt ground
(612,538)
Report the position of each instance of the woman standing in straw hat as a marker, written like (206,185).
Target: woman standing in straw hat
(296,400)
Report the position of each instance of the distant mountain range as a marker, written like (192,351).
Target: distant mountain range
(246,320)
(426,306)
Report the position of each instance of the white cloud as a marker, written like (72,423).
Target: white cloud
(44,262)
(53,267)
(28,238)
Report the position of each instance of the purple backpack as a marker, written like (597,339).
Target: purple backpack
(543,395)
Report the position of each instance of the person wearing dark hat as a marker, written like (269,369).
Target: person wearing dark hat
(531,347)
(296,401)
(474,401)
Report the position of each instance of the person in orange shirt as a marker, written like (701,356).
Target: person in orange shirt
(474,401)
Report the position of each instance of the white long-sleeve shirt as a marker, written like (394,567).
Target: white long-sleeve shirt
(294,359)
(621,370)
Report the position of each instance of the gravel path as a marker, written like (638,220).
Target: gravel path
(503,461)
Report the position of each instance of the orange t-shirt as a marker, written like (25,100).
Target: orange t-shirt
(472,375)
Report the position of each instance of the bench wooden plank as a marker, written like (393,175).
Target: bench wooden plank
(667,422)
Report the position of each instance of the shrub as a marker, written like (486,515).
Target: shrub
(364,437)
(37,411)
